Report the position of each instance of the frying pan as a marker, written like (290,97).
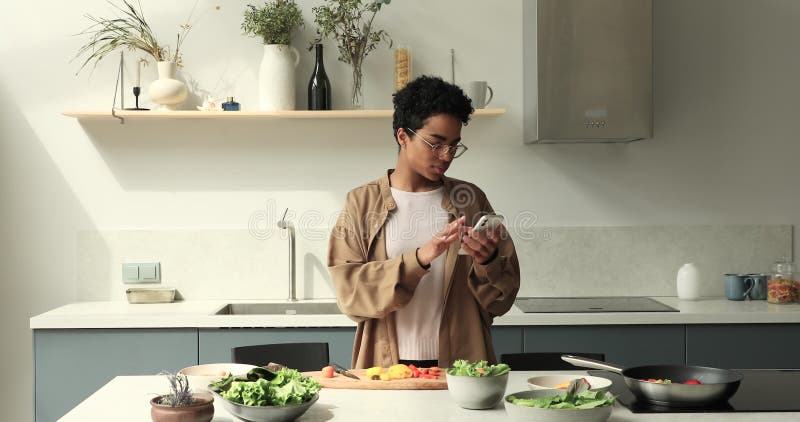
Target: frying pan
(718,385)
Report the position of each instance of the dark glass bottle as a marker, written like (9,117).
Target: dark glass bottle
(319,87)
(230,105)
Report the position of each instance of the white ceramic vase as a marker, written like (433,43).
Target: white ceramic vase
(688,281)
(167,91)
(276,77)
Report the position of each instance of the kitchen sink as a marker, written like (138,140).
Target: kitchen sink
(286,308)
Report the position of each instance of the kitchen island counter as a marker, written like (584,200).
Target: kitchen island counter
(200,314)
(126,398)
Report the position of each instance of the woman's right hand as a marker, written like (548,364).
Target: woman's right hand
(441,241)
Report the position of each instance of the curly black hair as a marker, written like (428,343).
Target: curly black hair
(427,96)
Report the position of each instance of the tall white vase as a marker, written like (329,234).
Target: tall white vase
(276,77)
(167,91)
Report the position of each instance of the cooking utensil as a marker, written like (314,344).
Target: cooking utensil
(718,385)
(341,370)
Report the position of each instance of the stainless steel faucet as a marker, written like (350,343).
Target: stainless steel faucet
(283,224)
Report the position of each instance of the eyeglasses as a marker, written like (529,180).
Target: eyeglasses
(441,150)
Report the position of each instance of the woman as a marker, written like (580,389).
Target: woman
(394,252)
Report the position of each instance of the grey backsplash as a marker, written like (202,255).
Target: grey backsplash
(555,261)
(644,260)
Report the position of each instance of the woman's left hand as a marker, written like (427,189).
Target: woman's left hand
(481,245)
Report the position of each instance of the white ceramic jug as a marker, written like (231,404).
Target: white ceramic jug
(688,282)
(276,77)
(166,90)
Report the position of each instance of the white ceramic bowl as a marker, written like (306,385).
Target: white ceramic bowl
(265,413)
(200,376)
(477,392)
(548,382)
(536,414)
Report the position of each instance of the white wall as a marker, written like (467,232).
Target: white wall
(725,149)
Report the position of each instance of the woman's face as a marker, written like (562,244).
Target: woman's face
(441,129)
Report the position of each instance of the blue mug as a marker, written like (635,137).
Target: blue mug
(737,286)
(758,289)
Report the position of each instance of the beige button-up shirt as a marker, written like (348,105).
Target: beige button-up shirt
(370,287)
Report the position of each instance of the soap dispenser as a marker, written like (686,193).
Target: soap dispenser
(688,281)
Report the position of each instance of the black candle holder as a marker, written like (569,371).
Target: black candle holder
(136,91)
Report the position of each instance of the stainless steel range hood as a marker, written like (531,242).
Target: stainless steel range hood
(587,70)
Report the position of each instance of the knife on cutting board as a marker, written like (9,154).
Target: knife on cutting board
(341,370)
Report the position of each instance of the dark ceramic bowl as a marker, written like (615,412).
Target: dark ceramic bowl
(201,411)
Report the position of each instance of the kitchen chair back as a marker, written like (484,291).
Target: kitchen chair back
(544,361)
(300,356)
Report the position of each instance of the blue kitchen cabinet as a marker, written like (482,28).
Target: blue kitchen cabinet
(70,365)
(214,344)
(506,339)
(744,346)
(626,345)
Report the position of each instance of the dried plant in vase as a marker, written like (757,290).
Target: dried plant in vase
(350,23)
(129,29)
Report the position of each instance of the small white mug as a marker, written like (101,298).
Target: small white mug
(476,91)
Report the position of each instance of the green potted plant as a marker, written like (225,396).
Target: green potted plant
(181,404)
(350,23)
(273,23)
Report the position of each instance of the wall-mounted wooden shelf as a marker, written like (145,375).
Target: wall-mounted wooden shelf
(294,114)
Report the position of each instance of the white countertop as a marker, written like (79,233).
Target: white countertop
(200,314)
(127,399)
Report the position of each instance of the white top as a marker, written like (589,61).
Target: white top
(418,218)
(127,399)
(200,314)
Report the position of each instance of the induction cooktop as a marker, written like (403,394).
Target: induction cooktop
(761,390)
(591,304)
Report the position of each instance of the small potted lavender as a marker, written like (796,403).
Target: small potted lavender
(181,404)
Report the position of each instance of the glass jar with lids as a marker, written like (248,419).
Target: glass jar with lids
(783,283)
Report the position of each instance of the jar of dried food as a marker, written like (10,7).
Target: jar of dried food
(402,67)
(783,283)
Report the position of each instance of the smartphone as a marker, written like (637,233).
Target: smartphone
(487,221)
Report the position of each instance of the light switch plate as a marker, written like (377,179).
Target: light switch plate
(145,272)
(130,273)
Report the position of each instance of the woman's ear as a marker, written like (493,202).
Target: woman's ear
(402,137)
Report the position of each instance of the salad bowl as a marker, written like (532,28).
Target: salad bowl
(267,395)
(520,413)
(286,413)
(561,382)
(477,385)
(200,375)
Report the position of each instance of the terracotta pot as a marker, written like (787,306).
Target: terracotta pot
(201,411)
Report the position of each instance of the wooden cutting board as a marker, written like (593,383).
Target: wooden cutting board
(341,381)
